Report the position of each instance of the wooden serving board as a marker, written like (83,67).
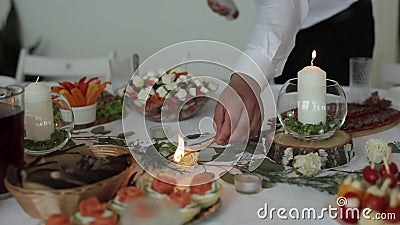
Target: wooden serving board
(374,130)
(335,151)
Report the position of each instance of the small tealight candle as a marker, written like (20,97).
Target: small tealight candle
(248,183)
(39,124)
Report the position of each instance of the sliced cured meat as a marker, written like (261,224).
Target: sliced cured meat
(371,120)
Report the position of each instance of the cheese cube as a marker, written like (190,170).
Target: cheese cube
(181,94)
(137,81)
(192,91)
(204,90)
(168,78)
(162,92)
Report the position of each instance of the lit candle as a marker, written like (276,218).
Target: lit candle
(311,94)
(38,112)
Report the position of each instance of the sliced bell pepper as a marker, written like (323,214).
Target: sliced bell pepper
(83,88)
(69,97)
(96,96)
(81,81)
(92,79)
(104,85)
(81,84)
(92,95)
(67,85)
(56,88)
(78,96)
(90,89)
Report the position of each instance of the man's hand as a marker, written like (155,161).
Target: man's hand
(217,8)
(239,112)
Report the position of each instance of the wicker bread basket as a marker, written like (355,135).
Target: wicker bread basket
(43,203)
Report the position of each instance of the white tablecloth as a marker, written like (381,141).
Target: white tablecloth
(238,208)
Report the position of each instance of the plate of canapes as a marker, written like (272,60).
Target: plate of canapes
(193,202)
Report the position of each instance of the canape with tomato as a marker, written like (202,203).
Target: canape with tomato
(161,186)
(188,208)
(90,210)
(58,219)
(205,190)
(119,203)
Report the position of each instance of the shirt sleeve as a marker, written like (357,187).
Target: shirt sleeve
(272,38)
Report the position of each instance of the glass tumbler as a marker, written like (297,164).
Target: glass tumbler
(360,78)
(11,131)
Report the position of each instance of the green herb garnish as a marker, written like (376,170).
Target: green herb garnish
(57,118)
(110,110)
(294,125)
(56,139)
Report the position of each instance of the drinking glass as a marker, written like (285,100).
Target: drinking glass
(360,78)
(11,131)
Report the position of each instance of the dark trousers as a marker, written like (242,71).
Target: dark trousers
(347,34)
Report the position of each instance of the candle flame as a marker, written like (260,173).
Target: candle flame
(313,56)
(180,150)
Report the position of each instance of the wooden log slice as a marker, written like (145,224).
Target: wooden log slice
(336,151)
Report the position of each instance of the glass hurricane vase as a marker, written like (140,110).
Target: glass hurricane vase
(48,126)
(334,107)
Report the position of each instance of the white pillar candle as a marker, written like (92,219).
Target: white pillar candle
(39,124)
(311,94)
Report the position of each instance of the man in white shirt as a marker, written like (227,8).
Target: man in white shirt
(337,29)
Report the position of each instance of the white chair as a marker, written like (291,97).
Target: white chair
(389,74)
(122,69)
(62,68)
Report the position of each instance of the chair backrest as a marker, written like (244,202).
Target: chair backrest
(62,68)
(389,74)
(122,69)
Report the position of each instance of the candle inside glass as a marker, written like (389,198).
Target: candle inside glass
(311,94)
(39,122)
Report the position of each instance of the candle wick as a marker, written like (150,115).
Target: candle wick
(37,79)
(312,61)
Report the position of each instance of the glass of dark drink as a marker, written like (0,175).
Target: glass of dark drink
(11,131)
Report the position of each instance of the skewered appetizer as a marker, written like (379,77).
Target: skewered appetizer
(381,195)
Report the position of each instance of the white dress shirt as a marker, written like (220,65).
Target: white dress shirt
(274,31)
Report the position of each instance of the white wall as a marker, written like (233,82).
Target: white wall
(80,28)
(386,13)
(93,27)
